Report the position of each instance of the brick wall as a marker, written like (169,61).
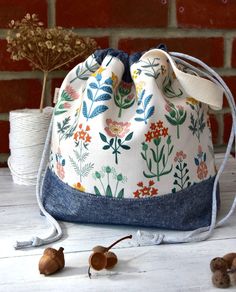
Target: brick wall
(204,29)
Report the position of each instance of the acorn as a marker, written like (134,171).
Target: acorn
(221,279)
(102,258)
(229,257)
(218,264)
(111,260)
(52,261)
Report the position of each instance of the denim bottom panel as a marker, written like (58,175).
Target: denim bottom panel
(185,210)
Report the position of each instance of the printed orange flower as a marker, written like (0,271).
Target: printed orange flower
(117,129)
(164,132)
(88,138)
(82,134)
(154,192)
(202,170)
(145,191)
(78,186)
(151,183)
(153,126)
(149,136)
(159,124)
(157,133)
(136,194)
(140,184)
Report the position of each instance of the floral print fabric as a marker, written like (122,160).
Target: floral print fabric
(135,139)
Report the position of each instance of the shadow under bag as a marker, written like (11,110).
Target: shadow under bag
(130,143)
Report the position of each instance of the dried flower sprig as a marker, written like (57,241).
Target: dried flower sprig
(46,49)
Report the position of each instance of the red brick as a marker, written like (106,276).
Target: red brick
(3,164)
(231,82)
(212,54)
(227,127)
(4,142)
(7,64)
(112,13)
(17,9)
(206,14)
(233,59)
(17,94)
(214,128)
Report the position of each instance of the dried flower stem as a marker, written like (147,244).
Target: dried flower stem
(45,75)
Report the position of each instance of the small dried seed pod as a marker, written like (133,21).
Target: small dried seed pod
(111,260)
(51,261)
(221,279)
(218,264)
(97,261)
(229,257)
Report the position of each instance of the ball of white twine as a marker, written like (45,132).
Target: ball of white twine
(28,131)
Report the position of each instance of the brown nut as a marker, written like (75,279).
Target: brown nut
(52,261)
(221,279)
(229,257)
(111,260)
(97,261)
(218,264)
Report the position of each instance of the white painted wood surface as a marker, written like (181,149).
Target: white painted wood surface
(176,267)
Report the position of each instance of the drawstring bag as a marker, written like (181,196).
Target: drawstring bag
(130,143)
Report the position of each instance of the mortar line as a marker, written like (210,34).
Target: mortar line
(172,16)
(51,13)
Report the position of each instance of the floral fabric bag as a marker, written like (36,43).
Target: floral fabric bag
(130,143)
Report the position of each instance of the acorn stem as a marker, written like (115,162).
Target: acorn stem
(126,237)
(89,273)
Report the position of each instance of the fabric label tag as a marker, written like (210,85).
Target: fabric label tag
(56,93)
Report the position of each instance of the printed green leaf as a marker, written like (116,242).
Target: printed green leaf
(161,153)
(143,156)
(139,111)
(108,191)
(111,142)
(103,137)
(139,119)
(171,121)
(97,192)
(121,194)
(148,175)
(129,137)
(154,155)
(147,100)
(126,147)
(106,147)
(86,169)
(183,118)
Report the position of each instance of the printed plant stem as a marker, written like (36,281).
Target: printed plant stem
(117,183)
(80,161)
(108,180)
(116,150)
(158,170)
(102,185)
(165,162)
(198,131)
(75,122)
(181,175)
(93,102)
(147,164)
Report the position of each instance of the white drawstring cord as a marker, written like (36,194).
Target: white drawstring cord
(56,233)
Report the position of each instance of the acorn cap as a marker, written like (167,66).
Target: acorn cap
(111,259)
(218,264)
(97,261)
(100,248)
(51,261)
